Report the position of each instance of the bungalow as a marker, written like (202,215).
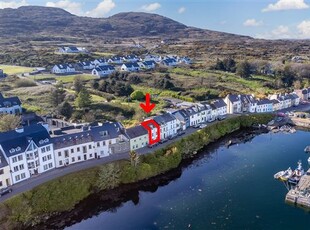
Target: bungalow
(220,107)
(116,60)
(72,49)
(170,62)
(264,106)
(130,67)
(10,105)
(154,58)
(233,103)
(138,137)
(100,62)
(28,151)
(131,58)
(185,60)
(63,69)
(183,117)
(73,148)
(103,71)
(87,65)
(168,125)
(147,65)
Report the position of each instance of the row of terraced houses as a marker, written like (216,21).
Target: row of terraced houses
(35,149)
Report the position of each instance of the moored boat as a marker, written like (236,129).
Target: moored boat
(287,174)
(278,174)
(307,149)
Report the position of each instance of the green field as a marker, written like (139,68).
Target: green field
(64,79)
(12,69)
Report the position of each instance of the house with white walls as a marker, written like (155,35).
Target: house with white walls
(28,151)
(138,137)
(63,69)
(220,107)
(103,71)
(264,106)
(10,105)
(233,103)
(169,125)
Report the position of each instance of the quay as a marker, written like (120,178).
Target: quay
(300,195)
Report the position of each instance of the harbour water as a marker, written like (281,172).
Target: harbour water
(226,188)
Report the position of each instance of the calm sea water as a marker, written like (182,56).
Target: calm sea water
(226,189)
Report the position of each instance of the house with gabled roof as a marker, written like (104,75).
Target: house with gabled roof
(116,60)
(100,62)
(131,58)
(130,67)
(103,71)
(233,103)
(183,117)
(138,137)
(295,100)
(72,49)
(87,65)
(147,65)
(10,105)
(220,107)
(28,151)
(169,125)
(63,69)
(170,62)
(276,104)
(248,103)
(264,106)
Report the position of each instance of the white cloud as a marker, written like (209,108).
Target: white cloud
(72,7)
(151,7)
(252,22)
(287,5)
(304,29)
(281,32)
(102,9)
(181,10)
(13,4)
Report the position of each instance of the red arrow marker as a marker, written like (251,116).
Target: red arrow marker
(147,107)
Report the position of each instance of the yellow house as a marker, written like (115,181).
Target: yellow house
(138,137)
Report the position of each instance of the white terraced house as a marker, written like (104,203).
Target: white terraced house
(28,151)
(63,69)
(220,107)
(169,125)
(103,71)
(233,103)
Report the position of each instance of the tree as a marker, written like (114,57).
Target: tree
(297,84)
(229,64)
(9,122)
(65,109)
(244,69)
(57,95)
(109,176)
(137,95)
(83,99)
(134,158)
(288,75)
(78,84)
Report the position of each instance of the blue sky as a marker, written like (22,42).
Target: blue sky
(257,18)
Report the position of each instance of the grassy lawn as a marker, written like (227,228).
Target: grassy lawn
(12,69)
(64,79)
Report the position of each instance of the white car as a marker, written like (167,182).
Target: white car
(202,126)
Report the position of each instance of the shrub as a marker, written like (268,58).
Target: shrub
(24,83)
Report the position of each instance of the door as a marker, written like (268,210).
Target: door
(85,157)
(7,181)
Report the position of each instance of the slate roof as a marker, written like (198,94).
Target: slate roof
(163,119)
(131,65)
(264,102)
(274,101)
(9,101)
(304,91)
(64,66)
(14,142)
(248,99)
(149,63)
(233,97)
(219,103)
(105,68)
(68,140)
(182,113)
(136,131)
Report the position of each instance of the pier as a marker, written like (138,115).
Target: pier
(300,194)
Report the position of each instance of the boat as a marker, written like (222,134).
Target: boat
(278,174)
(307,149)
(297,174)
(292,130)
(309,160)
(287,174)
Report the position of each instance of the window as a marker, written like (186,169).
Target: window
(89,146)
(90,155)
(79,158)
(48,148)
(73,159)
(15,168)
(78,149)
(21,167)
(98,144)
(44,158)
(50,165)
(66,153)
(43,150)
(45,167)
(1,171)
(59,154)
(72,150)
(23,175)
(17,177)
(84,149)
(49,157)
(103,143)
(20,157)
(14,159)
(60,162)
(1,183)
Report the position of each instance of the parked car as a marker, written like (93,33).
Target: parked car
(4,191)
(163,141)
(220,118)
(173,136)
(203,126)
(180,133)
(196,126)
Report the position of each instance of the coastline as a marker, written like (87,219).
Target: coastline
(64,194)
